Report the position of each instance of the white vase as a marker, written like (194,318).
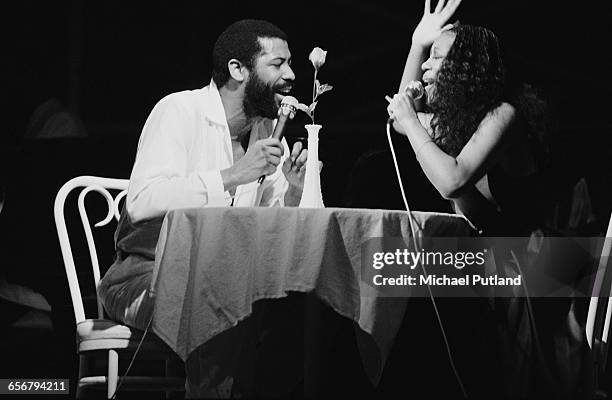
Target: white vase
(311,195)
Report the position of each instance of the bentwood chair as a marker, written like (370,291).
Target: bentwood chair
(99,335)
(600,310)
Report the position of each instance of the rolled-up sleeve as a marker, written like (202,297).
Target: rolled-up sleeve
(160,180)
(214,183)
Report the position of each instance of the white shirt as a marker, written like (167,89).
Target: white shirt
(184,145)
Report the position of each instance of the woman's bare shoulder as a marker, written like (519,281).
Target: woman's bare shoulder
(500,119)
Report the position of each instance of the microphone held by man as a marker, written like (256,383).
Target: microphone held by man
(286,111)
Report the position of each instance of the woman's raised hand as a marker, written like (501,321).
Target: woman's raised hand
(432,24)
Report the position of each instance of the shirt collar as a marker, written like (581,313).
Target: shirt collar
(214,111)
(213,107)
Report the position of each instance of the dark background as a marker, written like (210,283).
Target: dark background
(108,63)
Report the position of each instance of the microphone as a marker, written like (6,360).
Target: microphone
(415,90)
(286,111)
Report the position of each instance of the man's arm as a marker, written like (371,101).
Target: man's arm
(161,178)
(262,158)
(158,181)
(293,196)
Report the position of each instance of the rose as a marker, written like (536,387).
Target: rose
(317,57)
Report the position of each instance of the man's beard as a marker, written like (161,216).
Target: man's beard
(259,99)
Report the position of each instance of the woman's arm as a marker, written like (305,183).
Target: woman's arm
(432,24)
(478,210)
(451,176)
(412,69)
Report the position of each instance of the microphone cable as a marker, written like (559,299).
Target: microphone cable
(431,296)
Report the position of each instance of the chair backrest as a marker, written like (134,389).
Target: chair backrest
(102,186)
(600,312)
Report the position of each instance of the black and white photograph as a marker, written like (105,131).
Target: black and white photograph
(303,200)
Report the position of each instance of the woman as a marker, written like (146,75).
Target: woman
(479,144)
(476,142)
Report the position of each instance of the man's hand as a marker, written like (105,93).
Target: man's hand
(432,23)
(294,166)
(294,169)
(261,158)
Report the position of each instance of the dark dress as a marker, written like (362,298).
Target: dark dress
(502,347)
(540,342)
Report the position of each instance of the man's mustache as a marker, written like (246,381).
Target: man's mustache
(283,87)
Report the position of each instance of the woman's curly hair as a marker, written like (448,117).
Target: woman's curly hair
(469,84)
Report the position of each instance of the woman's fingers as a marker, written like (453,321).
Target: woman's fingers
(398,103)
(390,106)
(440,5)
(450,8)
(427,7)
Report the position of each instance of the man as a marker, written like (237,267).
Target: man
(206,147)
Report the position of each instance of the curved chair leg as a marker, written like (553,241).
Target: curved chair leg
(113,372)
(82,370)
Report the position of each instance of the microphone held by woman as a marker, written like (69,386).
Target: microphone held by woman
(414,89)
